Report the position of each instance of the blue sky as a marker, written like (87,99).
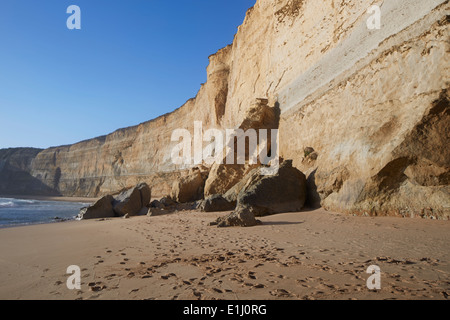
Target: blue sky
(132,61)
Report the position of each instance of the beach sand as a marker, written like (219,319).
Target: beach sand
(307,255)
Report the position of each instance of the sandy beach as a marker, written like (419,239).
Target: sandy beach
(307,255)
(196,137)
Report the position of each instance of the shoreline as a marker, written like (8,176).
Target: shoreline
(51,198)
(24,225)
(293,256)
(80,200)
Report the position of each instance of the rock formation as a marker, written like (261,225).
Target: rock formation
(167,206)
(188,188)
(259,195)
(241,217)
(373,104)
(16,177)
(103,208)
(225,175)
(269,194)
(132,201)
(128,203)
(216,203)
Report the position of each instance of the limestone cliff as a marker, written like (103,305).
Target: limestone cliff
(15,177)
(373,104)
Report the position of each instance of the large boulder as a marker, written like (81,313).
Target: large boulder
(132,201)
(284,191)
(146,194)
(223,177)
(128,202)
(188,188)
(259,195)
(216,203)
(162,203)
(103,208)
(232,194)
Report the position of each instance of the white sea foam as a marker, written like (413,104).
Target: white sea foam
(16,212)
(26,201)
(11,203)
(6,204)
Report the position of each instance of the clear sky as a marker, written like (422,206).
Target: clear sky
(132,61)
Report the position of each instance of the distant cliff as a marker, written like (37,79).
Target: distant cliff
(15,173)
(373,104)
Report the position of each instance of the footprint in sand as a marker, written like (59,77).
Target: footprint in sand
(282,293)
(167,276)
(217,290)
(96,286)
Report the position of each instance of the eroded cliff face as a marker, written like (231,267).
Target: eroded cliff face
(136,154)
(372,103)
(380,127)
(15,177)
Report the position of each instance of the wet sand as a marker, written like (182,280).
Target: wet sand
(306,255)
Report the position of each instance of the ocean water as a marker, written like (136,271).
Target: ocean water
(21,212)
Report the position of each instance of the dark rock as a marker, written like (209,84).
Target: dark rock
(284,191)
(216,203)
(103,208)
(162,203)
(128,201)
(132,201)
(259,195)
(59,219)
(241,217)
(167,201)
(146,194)
(156,204)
